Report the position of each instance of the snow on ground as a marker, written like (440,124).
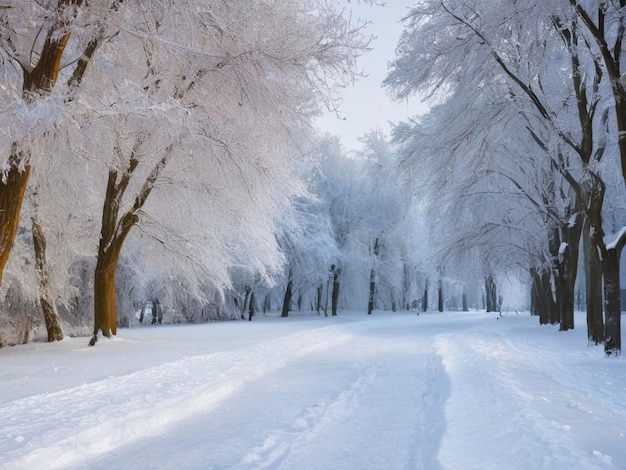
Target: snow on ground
(387,391)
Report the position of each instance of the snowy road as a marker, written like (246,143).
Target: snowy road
(391,391)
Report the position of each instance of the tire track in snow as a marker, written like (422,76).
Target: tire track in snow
(95,418)
(279,442)
(397,396)
(432,424)
(495,387)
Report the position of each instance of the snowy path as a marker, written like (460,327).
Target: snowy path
(391,391)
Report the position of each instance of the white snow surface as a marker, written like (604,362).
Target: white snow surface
(386,391)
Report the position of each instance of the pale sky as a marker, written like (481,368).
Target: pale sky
(366,105)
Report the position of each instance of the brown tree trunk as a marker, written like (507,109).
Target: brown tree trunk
(105,303)
(11,196)
(50,314)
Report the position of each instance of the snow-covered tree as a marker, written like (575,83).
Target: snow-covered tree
(511,49)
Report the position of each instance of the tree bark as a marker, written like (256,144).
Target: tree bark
(593,286)
(288,295)
(491,294)
(440,296)
(464,301)
(12,191)
(613,309)
(568,258)
(335,295)
(50,314)
(245,302)
(251,306)
(612,61)
(612,298)
(105,302)
(370,302)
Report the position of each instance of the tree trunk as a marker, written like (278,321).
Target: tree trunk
(11,196)
(406,285)
(464,301)
(288,294)
(491,294)
(544,302)
(50,314)
(613,309)
(335,295)
(535,288)
(440,296)
(105,301)
(113,233)
(245,303)
(425,297)
(318,299)
(370,303)
(612,297)
(251,306)
(593,285)
(568,257)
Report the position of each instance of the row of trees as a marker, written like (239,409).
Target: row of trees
(162,134)
(524,145)
(166,154)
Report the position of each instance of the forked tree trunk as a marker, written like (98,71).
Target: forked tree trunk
(542,292)
(113,233)
(46,299)
(37,82)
